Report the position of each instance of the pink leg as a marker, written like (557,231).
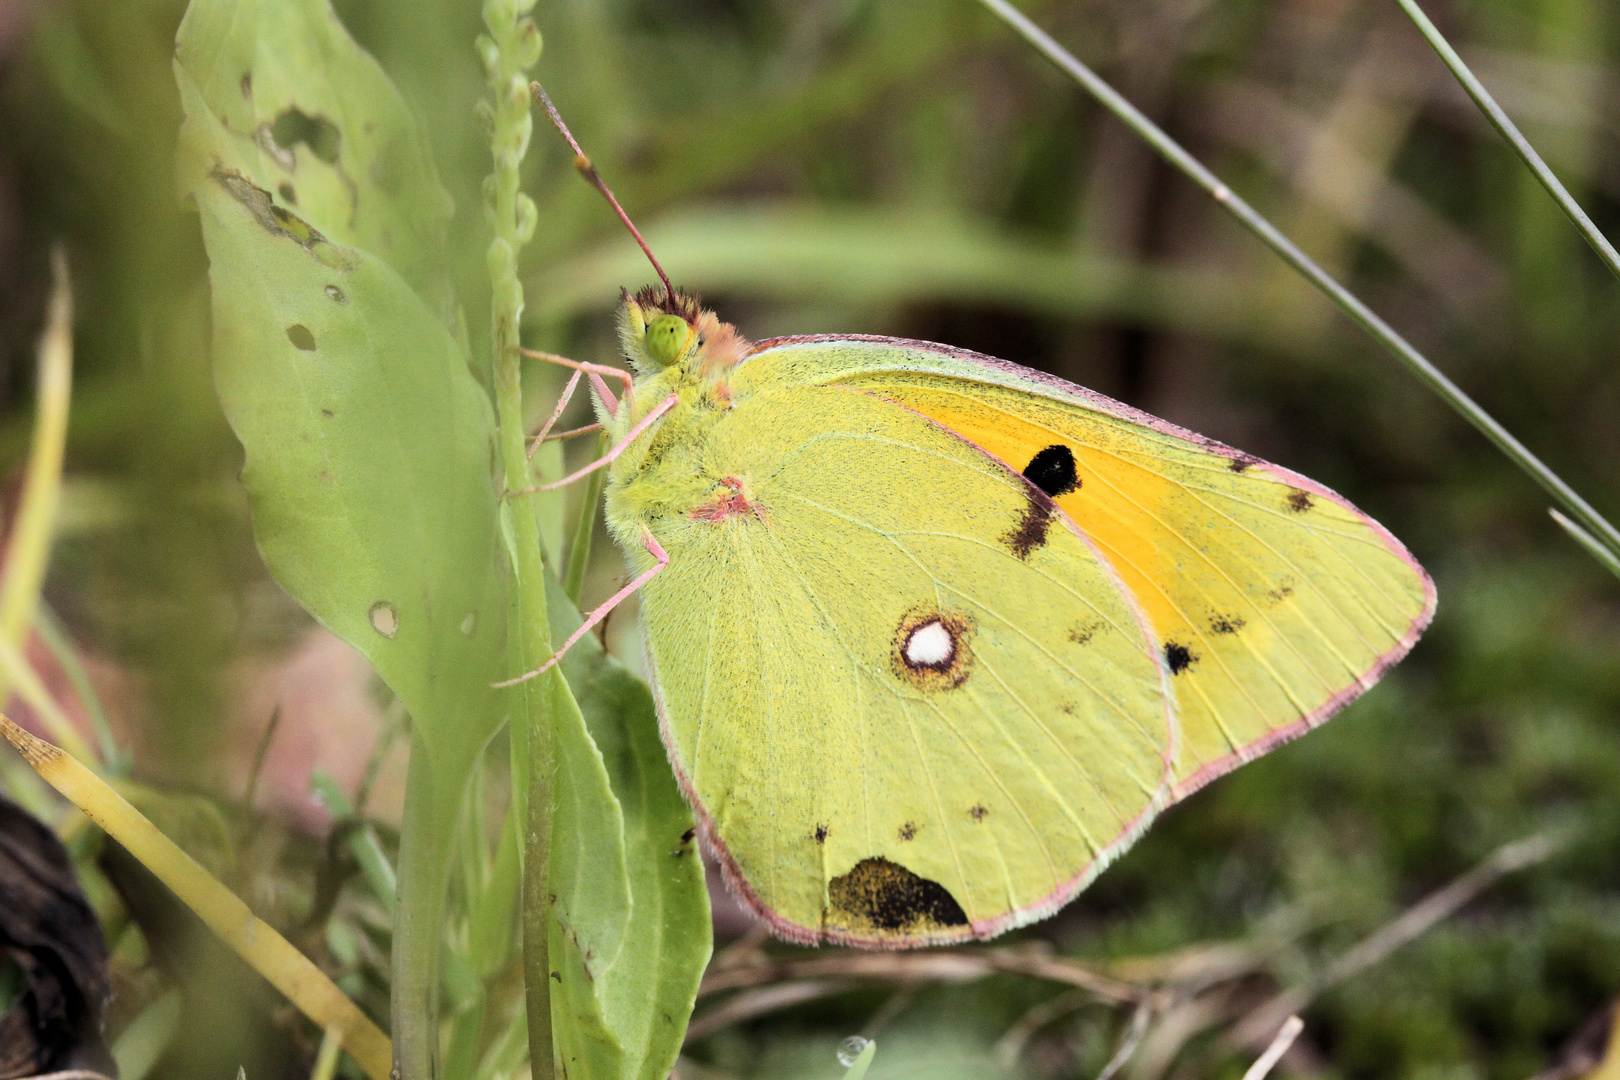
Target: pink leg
(594,371)
(656,551)
(562,403)
(573,432)
(608,458)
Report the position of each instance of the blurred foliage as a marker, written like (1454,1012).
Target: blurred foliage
(910,168)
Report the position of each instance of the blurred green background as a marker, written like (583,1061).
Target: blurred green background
(909,167)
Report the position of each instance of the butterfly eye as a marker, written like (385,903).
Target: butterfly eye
(665,338)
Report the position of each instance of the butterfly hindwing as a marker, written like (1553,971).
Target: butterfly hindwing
(910,700)
(1275,601)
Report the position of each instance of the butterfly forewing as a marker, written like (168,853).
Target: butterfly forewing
(1276,602)
(911,701)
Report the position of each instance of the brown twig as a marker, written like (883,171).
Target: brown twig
(1259,1026)
(954,966)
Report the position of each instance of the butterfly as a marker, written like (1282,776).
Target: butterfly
(933,636)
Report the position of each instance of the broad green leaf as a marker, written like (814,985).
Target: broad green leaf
(629,986)
(368,445)
(311,118)
(368,461)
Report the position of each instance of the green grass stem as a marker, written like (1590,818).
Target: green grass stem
(1510,131)
(1358,312)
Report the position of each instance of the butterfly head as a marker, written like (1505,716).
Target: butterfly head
(660,331)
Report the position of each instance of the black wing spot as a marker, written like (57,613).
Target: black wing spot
(1241,462)
(877,894)
(302,339)
(820,834)
(1300,501)
(1053,471)
(908,831)
(977,813)
(1179,657)
(1227,624)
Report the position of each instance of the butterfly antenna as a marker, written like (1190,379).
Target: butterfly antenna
(588,171)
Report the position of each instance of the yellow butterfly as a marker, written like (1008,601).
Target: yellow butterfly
(934,636)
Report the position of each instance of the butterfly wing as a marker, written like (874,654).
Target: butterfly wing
(896,728)
(1277,602)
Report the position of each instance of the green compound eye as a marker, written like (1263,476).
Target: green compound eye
(666,336)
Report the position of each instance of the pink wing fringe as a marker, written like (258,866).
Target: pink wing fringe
(738,885)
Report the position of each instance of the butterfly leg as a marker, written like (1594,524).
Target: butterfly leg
(594,372)
(608,458)
(656,550)
(562,403)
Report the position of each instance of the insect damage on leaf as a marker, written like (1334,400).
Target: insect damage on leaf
(281,222)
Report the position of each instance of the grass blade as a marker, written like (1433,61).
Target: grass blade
(1609,559)
(1358,312)
(256,941)
(1510,131)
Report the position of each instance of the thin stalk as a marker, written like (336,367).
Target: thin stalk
(512,47)
(1610,561)
(55,636)
(1358,312)
(579,552)
(1510,131)
(28,551)
(256,941)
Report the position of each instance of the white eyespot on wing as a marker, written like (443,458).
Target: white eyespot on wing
(930,645)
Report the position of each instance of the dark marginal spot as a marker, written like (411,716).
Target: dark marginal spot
(1226,624)
(301,338)
(1033,525)
(978,812)
(821,834)
(288,195)
(908,831)
(1299,501)
(1052,470)
(1241,462)
(932,649)
(877,894)
(1082,633)
(1179,657)
(316,132)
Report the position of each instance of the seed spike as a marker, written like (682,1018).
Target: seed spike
(588,171)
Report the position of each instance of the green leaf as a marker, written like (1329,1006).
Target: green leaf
(368,444)
(629,968)
(310,117)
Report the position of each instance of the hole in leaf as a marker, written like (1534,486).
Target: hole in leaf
(336,294)
(316,132)
(301,338)
(470,623)
(385,618)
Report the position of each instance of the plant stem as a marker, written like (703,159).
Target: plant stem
(1358,312)
(579,552)
(1509,130)
(512,47)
